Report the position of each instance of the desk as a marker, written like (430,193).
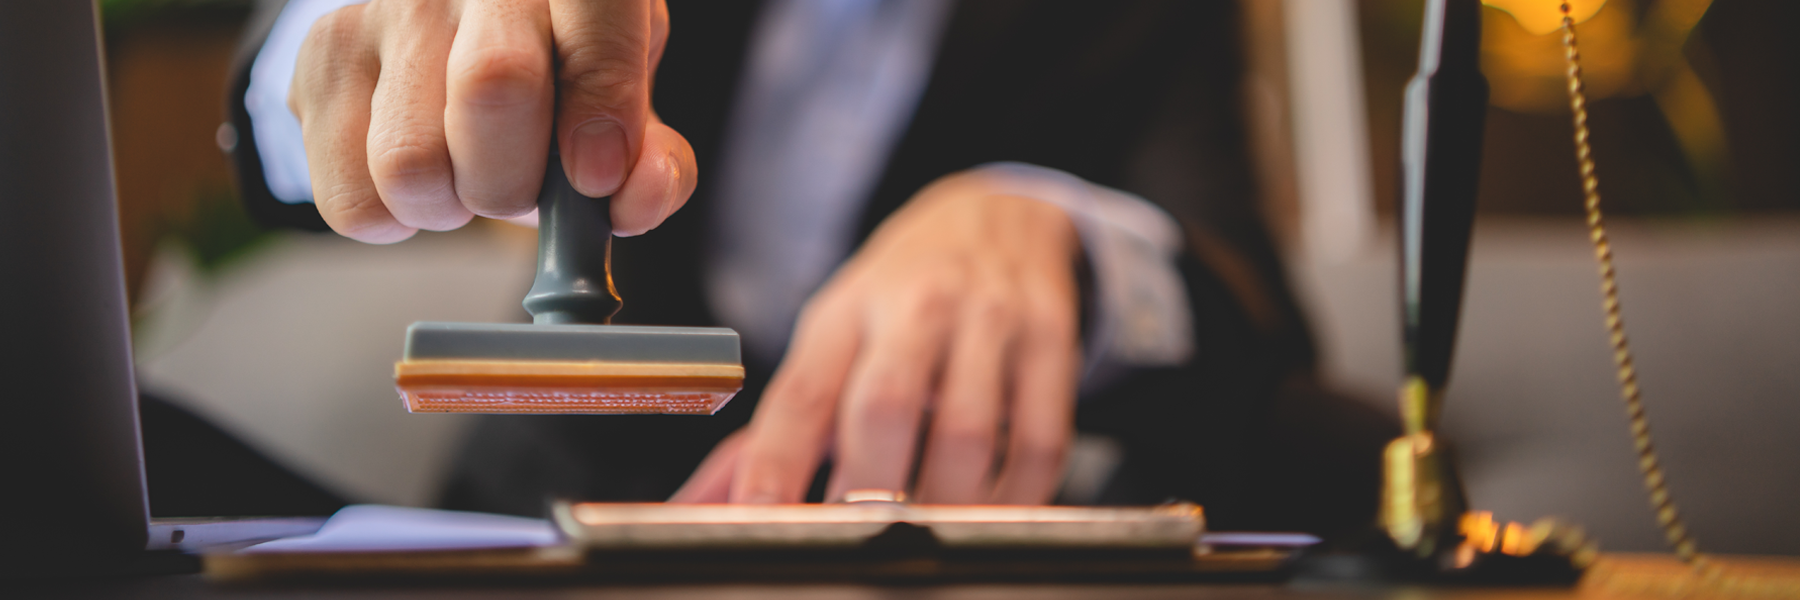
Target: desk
(192,586)
(1784,571)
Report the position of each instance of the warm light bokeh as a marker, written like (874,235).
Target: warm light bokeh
(1524,60)
(1544,16)
(1628,48)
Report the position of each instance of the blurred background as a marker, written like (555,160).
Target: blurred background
(287,339)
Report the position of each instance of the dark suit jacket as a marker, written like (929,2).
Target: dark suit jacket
(1138,95)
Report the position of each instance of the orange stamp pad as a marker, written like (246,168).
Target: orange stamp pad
(568,368)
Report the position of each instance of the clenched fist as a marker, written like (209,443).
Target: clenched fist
(421,114)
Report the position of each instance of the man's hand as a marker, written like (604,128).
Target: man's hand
(957,318)
(421,114)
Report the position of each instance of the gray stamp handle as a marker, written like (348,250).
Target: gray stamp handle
(574,267)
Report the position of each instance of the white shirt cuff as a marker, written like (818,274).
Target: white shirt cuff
(277,132)
(1142,317)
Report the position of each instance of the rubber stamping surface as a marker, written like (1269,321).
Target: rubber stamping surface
(592,387)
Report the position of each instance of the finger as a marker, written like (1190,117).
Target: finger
(793,422)
(500,98)
(711,481)
(664,177)
(660,184)
(960,448)
(408,160)
(603,88)
(885,397)
(1041,420)
(334,79)
(659,35)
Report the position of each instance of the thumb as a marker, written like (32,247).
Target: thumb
(603,50)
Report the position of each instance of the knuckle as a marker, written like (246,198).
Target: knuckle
(502,76)
(824,310)
(413,162)
(1051,318)
(378,11)
(353,211)
(403,13)
(989,308)
(799,394)
(332,57)
(336,25)
(888,400)
(1037,450)
(928,299)
(605,74)
(336,34)
(963,437)
(811,311)
(1053,332)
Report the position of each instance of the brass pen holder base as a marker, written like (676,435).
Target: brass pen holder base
(1425,515)
(1425,533)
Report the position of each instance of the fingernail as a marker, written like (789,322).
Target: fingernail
(598,148)
(674,187)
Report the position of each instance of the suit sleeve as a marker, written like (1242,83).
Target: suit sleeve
(246,160)
(1243,426)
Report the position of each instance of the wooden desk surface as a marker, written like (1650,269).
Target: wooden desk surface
(1620,577)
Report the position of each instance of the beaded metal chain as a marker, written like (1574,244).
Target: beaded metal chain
(1666,514)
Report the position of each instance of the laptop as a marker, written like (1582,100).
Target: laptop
(71,459)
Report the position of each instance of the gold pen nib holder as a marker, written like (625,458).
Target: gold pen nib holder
(1424,514)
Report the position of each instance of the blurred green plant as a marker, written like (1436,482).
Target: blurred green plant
(217,232)
(212,226)
(122,14)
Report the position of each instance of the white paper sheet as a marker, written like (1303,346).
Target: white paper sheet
(377,528)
